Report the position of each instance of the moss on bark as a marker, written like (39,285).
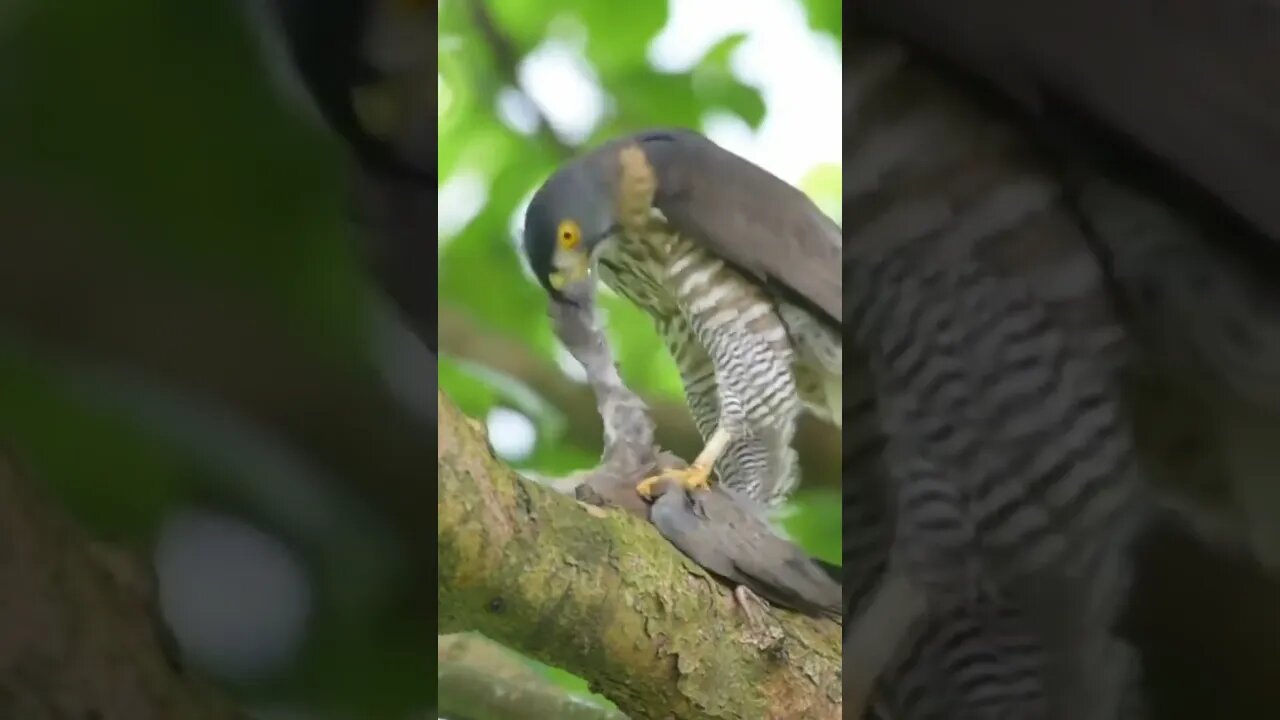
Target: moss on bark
(603,595)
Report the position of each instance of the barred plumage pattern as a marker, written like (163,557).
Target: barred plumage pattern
(1210,320)
(986,446)
(743,365)
(958,667)
(1012,477)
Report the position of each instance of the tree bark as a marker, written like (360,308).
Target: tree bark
(80,636)
(600,593)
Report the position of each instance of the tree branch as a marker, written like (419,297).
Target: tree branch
(507,58)
(601,594)
(79,638)
(481,680)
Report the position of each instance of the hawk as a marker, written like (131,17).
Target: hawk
(739,271)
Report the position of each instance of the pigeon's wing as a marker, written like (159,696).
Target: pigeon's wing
(773,567)
(674,516)
(748,217)
(781,573)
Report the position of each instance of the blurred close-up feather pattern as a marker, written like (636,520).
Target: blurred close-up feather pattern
(1047,167)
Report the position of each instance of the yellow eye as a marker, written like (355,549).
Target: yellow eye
(569,235)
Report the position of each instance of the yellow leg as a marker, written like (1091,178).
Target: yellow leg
(698,475)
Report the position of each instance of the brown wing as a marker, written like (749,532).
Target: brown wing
(1193,82)
(748,217)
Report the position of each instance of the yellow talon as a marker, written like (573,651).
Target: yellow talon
(693,477)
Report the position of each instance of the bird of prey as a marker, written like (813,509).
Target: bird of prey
(739,271)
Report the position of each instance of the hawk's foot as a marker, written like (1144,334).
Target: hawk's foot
(693,477)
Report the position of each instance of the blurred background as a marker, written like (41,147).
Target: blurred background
(192,356)
(523,86)
(520,92)
(195,360)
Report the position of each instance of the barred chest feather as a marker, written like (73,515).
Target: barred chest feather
(665,273)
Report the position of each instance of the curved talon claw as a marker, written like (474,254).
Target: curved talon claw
(692,478)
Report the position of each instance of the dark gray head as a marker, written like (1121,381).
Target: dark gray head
(567,219)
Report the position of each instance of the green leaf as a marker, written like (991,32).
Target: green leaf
(826,16)
(473,396)
(560,458)
(716,86)
(523,23)
(813,520)
(650,99)
(618,34)
(112,473)
(719,55)
(642,356)
(571,683)
(728,93)
(825,185)
(480,270)
(196,163)
(549,421)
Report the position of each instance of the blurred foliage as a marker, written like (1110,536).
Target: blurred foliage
(161,119)
(158,129)
(482,271)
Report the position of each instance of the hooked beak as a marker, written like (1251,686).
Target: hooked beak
(577,268)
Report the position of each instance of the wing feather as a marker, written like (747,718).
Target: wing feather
(747,216)
(1192,83)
